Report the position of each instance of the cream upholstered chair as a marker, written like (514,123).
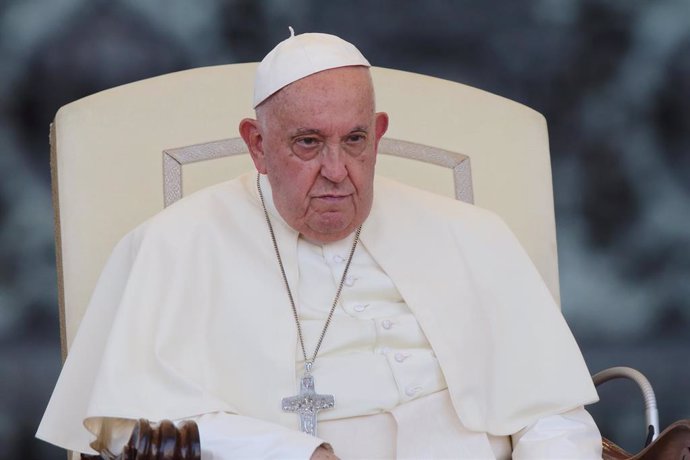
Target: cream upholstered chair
(121,155)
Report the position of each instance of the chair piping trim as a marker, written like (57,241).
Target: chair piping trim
(175,158)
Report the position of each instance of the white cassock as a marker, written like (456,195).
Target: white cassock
(444,343)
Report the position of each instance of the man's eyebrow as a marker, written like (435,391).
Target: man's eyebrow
(302,131)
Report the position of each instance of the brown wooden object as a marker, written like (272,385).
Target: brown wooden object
(159,441)
(672,444)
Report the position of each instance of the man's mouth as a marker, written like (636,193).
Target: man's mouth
(331,197)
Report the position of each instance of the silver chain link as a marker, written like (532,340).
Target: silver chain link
(307,362)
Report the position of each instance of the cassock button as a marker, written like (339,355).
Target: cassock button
(386,324)
(360,307)
(400,357)
(350,281)
(338,259)
(412,391)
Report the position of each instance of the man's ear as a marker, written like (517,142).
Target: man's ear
(251,134)
(381,125)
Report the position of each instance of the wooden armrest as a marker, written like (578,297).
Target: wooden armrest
(672,443)
(160,441)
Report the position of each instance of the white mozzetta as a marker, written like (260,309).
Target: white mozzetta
(182,314)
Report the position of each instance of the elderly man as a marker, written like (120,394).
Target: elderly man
(293,315)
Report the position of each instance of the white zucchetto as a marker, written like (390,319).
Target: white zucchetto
(300,56)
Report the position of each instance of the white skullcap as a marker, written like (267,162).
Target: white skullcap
(299,56)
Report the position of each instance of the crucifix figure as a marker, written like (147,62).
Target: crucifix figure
(307,404)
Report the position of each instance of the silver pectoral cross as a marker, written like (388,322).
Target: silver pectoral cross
(307,404)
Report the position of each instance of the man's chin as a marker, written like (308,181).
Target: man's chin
(329,231)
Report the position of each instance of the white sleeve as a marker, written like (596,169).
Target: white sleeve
(570,435)
(226,436)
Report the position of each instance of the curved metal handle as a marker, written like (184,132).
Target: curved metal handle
(651,411)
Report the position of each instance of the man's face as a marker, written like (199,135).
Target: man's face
(316,140)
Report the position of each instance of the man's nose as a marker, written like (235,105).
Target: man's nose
(333,165)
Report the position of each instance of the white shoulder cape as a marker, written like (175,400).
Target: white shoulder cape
(190,316)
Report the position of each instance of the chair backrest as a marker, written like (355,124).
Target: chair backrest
(109,151)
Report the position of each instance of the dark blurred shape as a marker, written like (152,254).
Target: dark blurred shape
(243,28)
(609,201)
(671,115)
(604,33)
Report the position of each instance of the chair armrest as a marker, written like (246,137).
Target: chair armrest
(651,411)
(673,443)
(160,441)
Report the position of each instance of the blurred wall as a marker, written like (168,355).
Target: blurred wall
(611,77)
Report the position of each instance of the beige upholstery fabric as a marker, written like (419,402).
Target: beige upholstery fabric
(108,173)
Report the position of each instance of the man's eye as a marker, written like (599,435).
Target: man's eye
(356,138)
(307,142)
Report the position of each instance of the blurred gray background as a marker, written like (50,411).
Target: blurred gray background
(611,77)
